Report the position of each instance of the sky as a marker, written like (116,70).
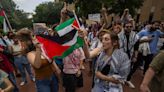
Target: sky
(29,5)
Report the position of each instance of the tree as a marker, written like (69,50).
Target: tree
(18,18)
(117,6)
(85,7)
(21,20)
(48,13)
(9,6)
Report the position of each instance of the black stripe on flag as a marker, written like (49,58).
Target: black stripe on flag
(61,40)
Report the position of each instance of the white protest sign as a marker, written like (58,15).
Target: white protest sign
(94,17)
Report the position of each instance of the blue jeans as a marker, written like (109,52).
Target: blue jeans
(22,64)
(13,80)
(47,85)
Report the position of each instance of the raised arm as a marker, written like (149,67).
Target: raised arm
(35,58)
(88,54)
(104,17)
(63,13)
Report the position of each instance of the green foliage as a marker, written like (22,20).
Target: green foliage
(18,18)
(84,7)
(9,6)
(21,20)
(118,6)
(48,13)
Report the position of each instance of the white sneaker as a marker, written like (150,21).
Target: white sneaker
(22,83)
(130,84)
(33,79)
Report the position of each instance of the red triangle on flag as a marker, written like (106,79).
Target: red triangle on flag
(75,25)
(52,48)
(2,13)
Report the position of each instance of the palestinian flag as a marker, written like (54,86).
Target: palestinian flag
(62,44)
(3,21)
(2,16)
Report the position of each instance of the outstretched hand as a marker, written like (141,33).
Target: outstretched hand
(64,11)
(103,9)
(81,33)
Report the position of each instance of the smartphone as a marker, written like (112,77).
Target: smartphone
(106,69)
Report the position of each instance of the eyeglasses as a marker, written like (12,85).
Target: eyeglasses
(128,26)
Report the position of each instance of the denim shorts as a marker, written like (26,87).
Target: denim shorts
(47,84)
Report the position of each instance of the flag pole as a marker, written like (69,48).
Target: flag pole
(6,18)
(76,18)
(8,23)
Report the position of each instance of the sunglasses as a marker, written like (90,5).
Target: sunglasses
(128,26)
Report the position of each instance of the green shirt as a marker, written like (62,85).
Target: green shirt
(157,83)
(3,75)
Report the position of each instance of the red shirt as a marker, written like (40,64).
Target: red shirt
(5,65)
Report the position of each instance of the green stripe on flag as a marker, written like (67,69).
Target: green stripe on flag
(78,44)
(65,24)
(1,19)
(65,30)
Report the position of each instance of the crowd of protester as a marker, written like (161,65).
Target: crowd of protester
(114,52)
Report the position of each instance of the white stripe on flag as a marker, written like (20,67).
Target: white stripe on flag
(65,30)
(71,42)
(5,28)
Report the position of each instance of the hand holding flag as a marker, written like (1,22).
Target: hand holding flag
(64,43)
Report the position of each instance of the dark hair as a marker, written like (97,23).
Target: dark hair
(118,25)
(129,22)
(14,36)
(113,36)
(10,35)
(162,48)
(156,21)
